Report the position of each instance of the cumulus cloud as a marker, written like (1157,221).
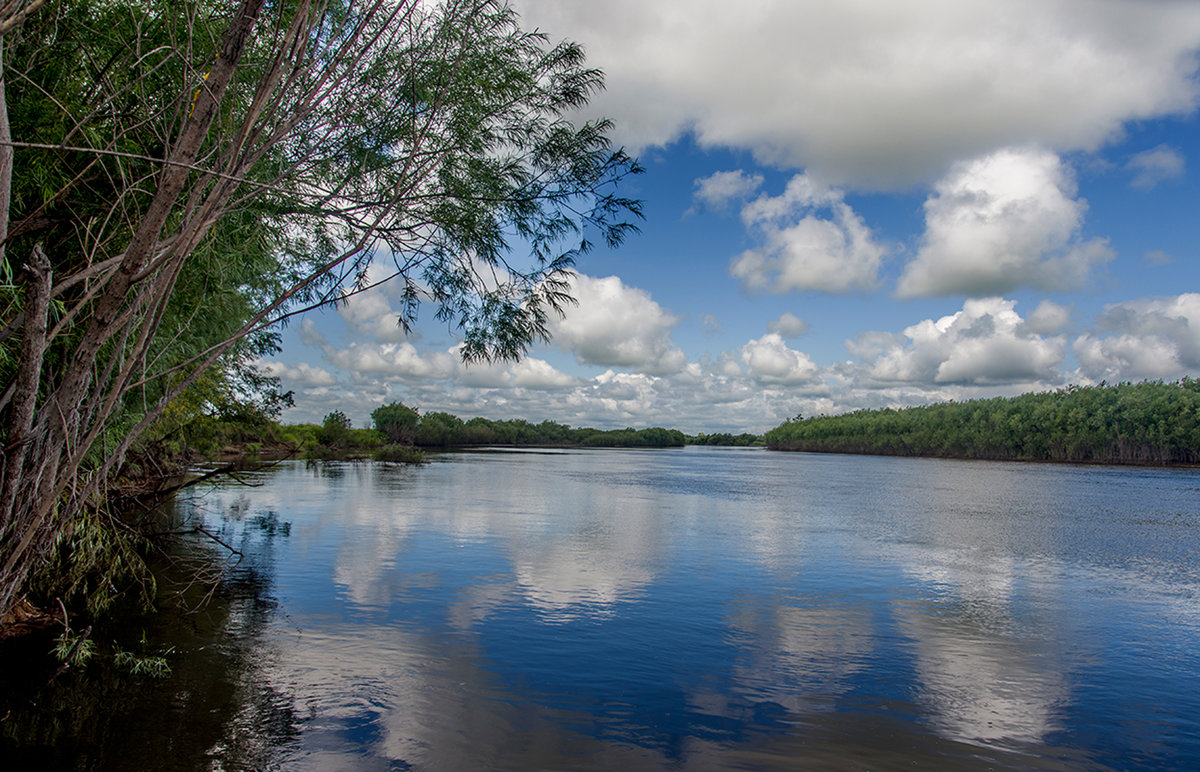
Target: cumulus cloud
(397,360)
(1048,318)
(802,251)
(614,325)
(529,373)
(879,93)
(986,343)
(1156,165)
(370,314)
(1157,338)
(719,189)
(788,325)
(769,360)
(1006,220)
(309,334)
(539,375)
(300,375)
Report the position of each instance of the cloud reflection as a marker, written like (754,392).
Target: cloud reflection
(979,675)
(980,686)
(799,657)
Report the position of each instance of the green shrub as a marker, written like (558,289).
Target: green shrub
(404,454)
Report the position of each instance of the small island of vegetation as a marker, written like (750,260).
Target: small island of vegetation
(1145,423)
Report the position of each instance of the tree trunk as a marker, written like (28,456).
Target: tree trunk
(44,448)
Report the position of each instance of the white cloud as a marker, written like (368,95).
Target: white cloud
(396,360)
(788,325)
(1006,220)
(717,190)
(1156,165)
(1157,338)
(369,314)
(875,92)
(1048,318)
(986,343)
(309,334)
(540,375)
(752,387)
(769,360)
(614,325)
(300,375)
(484,375)
(800,251)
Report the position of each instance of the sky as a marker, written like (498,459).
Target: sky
(848,205)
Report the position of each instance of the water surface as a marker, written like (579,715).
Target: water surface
(693,609)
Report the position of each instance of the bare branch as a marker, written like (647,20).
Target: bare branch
(13,18)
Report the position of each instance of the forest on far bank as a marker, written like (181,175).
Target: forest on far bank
(400,433)
(1128,423)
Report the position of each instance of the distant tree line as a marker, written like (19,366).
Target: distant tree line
(725,438)
(397,432)
(1145,423)
(404,425)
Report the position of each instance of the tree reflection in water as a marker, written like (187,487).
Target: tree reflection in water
(214,710)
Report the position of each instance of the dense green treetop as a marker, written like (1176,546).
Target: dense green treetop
(395,422)
(1144,423)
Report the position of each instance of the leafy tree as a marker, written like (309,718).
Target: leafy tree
(334,429)
(480,431)
(178,177)
(439,430)
(396,422)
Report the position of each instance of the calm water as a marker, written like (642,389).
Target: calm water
(683,609)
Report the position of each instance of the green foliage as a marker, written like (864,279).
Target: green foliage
(100,563)
(147,666)
(439,430)
(402,454)
(335,430)
(1145,423)
(726,439)
(335,438)
(445,430)
(654,437)
(63,66)
(395,422)
(74,650)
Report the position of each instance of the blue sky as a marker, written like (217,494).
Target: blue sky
(848,205)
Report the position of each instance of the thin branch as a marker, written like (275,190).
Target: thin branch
(13,21)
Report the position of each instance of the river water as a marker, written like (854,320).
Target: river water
(698,608)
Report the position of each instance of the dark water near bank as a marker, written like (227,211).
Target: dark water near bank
(680,609)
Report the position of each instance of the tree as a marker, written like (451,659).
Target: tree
(439,430)
(396,422)
(178,178)
(335,428)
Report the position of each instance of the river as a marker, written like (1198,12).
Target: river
(698,608)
